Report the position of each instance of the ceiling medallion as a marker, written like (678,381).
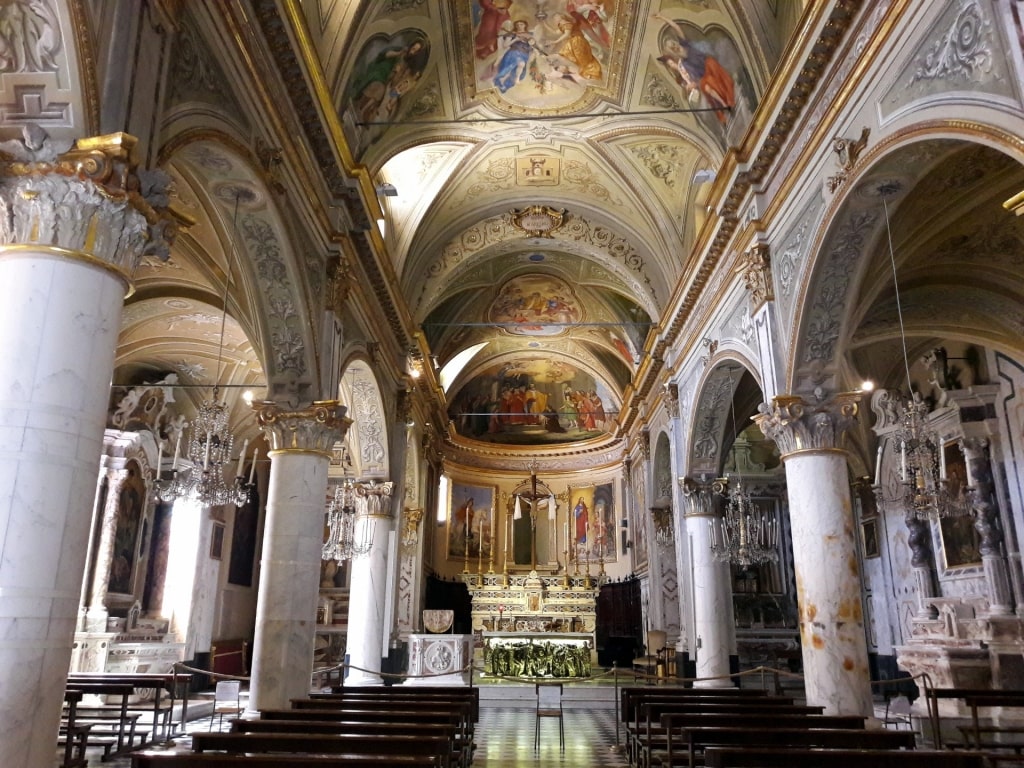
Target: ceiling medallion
(538,220)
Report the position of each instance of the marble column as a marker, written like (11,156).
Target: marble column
(70,235)
(835,655)
(96,617)
(301,442)
(919,538)
(367,588)
(986,522)
(712,590)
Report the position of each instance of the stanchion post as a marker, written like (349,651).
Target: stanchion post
(617,746)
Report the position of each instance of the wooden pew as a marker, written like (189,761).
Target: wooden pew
(175,685)
(697,739)
(459,693)
(461,751)
(113,726)
(162,759)
(437,746)
(73,736)
(977,736)
(764,757)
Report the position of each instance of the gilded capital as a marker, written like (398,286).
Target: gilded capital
(797,425)
(316,428)
(756,269)
(373,499)
(89,200)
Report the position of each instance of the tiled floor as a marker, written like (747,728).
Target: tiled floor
(505,738)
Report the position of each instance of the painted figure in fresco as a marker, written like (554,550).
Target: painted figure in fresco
(494,15)
(590,17)
(462,527)
(574,47)
(697,71)
(390,74)
(518,45)
(582,516)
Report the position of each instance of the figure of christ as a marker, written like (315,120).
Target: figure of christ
(582,517)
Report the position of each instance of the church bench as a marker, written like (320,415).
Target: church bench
(470,693)
(73,736)
(461,750)
(112,724)
(175,685)
(462,709)
(163,759)
(437,746)
(672,724)
(648,732)
(697,739)
(770,757)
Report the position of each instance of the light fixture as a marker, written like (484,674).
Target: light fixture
(923,488)
(210,442)
(386,190)
(343,542)
(745,535)
(664,536)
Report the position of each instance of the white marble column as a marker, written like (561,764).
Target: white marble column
(301,443)
(96,618)
(367,589)
(69,237)
(828,579)
(712,591)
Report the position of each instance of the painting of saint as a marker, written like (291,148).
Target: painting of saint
(517,46)
(695,68)
(535,305)
(593,523)
(130,508)
(493,16)
(471,521)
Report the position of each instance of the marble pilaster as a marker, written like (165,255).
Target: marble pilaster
(71,231)
(301,443)
(986,522)
(835,656)
(96,618)
(712,592)
(368,586)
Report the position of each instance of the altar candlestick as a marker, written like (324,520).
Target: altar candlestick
(252,469)
(177,453)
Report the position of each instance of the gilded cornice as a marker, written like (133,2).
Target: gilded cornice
(586,454)
(86,65)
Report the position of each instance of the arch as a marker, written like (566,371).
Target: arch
(847,297)
(715,411)
(367,438)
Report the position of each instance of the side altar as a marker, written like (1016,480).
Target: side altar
(529,625)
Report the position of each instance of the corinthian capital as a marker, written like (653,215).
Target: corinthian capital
(316,428)
(756,269)
(373,498)
(90,200)
(797,425)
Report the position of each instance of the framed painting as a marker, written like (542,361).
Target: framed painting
(869,537)
(961,544)
(217,541)
(470,521)
(591,522)
(131,503)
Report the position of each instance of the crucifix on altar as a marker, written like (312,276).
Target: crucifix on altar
(533,514)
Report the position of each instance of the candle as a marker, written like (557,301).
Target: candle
(252,470)
(159,456)
(551,507)
(878,465)
(903,461)
(206,454)
(942,462)
(241,457)
(177,452)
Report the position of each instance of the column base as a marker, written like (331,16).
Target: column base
(363,678)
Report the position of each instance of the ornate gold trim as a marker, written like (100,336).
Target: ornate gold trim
(25,251)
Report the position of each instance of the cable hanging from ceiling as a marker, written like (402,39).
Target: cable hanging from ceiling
(200,474)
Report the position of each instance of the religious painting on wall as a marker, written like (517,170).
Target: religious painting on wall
(535,305)
(471,521)
(591,523)
(961,544)
(544,54)
(638,520)
(532,527)
(533,400)
(708,73)
(130,507)
(387,70)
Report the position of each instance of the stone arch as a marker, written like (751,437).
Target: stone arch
(714,413)
(847,289)
(367,438)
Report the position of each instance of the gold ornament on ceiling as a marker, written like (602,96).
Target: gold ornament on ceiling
(538,220)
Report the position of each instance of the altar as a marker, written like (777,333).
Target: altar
(533,625)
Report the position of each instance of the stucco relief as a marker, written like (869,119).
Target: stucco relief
(709,418)
(29,36)
(787,266)
(369,420)
(196,76)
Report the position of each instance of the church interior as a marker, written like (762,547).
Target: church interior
(396,337)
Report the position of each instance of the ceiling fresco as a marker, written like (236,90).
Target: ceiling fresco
(610,115)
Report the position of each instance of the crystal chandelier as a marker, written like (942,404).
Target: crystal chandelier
(207,452)
(664,536)
(745,535)
(210,443)
(343,541)
(923,488)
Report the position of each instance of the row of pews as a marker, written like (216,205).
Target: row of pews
(357,727)
(728,728)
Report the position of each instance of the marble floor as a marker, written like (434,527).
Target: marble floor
(504,738)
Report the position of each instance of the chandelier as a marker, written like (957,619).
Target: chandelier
(210,442)
(745,535)
(208,452)
(664,536)
(343,540)
(923,487)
